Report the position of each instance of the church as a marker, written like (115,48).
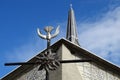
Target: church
(94,68)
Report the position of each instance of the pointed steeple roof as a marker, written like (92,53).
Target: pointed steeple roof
(71,27)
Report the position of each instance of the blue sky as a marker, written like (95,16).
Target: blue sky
(97,24)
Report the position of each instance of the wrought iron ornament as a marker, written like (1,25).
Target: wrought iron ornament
(47,59)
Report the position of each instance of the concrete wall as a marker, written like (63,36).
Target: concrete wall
(69,70)
(84,70)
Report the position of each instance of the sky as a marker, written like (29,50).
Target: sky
(98,26)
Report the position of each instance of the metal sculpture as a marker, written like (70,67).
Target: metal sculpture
(48,58)
(48,61)
(48,37)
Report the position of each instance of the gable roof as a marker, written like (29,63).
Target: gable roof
(70,45)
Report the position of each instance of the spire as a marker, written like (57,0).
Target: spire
(71,27)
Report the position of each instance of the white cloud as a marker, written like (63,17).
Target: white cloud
(103,36)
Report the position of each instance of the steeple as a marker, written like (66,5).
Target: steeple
(71,27)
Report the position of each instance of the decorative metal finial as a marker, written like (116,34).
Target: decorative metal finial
(70,5)
(48,58)
(48,29)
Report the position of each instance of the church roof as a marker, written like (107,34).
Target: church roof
(69,45)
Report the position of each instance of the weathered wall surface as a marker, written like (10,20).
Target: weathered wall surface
(84,70)
(34,74)
(69,70)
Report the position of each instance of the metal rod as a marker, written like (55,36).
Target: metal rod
(73,61)
(47,74)
(21,63)
(48,46)
(48,43)
(37,63)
